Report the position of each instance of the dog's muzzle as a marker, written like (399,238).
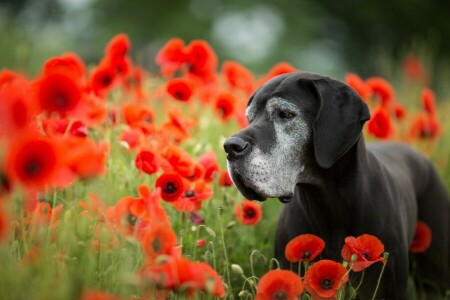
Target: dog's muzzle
(236,147)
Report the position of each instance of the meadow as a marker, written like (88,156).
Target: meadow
(113,180)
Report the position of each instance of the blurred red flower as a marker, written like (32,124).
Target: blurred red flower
(4,225)
(192,199)
(201,59)
(279,284)
(158,240)
(182,275)
(399,111)
(98,295)
(180,89)
(138,116)
(225,105)
(59,127)
(171,57)
(102,79)
(237,76)
(424,127)
(414,68)
(171,185)
(324,278)
(208,161)
(359,85)
(382,89)
(248,212)
(58,92)
(366,247)
(68,63)
(44,214)
(380,124)
(132,137)
(225,179)
(428,102)
(147,162)
(119,45)
(278,69)
(34,161)
(305,247)
(422,238)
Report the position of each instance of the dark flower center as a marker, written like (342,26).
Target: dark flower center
(280,296)
(189,194)
(132,219)
(170,188)
(366,255)
(106,80)
(156,245)
(326,284)
(250,213)
(179,95)
(306,255)
(60,100)
(5,184)
(32,167)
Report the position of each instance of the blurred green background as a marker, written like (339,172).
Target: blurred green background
(329,37)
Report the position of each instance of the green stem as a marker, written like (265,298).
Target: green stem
(386,255)
(358,286)
(222,236)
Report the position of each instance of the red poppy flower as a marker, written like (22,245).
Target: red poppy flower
(399,111)
(248,212)
(201,58)
(209,162)
(171,185)
(225,105)
(278,69)
(225,179)
(358,85)
(199,243)
(237,76)
(380,124)
(324,278)
(180,89)
(428,102)
(424,127)
(119,45)
(102,79)
(177,126)
(69,63)
(422,238)
(131,138)
(85,157)
(367,248)
(171,57)
(192,198)
(305,247)
(180,161)
(182,275)
(279,284)
(159,240)
(138,116)
(59,127)
(17,108)
(146,161)
(34,161)
(58,92)
(382,89)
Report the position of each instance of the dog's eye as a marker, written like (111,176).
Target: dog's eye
(285,114)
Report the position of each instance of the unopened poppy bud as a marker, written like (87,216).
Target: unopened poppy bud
(237,269)
(385,255)
(354,257)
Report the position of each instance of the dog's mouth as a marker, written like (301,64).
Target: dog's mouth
(244,188)
(250,193)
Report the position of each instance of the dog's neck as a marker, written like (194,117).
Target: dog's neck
(332,196)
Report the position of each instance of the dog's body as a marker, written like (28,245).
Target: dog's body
(304,146)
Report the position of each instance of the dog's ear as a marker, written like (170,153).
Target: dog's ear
(339,121)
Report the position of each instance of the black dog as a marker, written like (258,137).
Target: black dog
(304,146)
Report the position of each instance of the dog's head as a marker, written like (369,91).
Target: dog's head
(295,120)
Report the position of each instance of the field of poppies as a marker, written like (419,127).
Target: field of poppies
(113,181)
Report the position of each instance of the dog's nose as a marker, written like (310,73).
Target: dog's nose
(236,147)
